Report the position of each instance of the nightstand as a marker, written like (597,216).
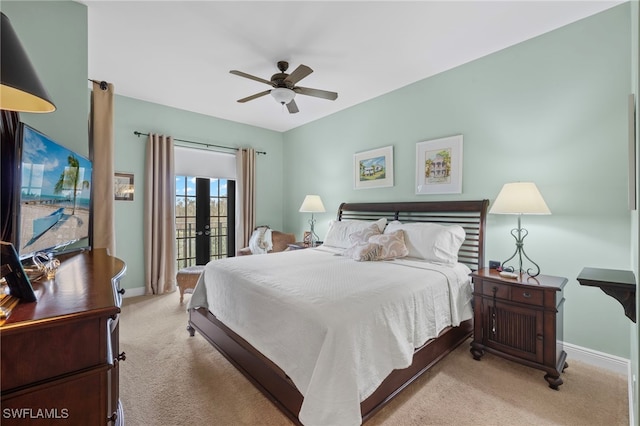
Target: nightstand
(520,319)
(302,245)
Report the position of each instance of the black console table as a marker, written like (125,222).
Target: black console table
(621,285)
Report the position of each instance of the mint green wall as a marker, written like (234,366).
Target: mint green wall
(54,34)
(551,110)
(132,114)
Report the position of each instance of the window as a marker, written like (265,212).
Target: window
(205,225)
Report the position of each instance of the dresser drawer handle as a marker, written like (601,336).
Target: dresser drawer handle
(526,294)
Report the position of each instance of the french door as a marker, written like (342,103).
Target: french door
(205,226)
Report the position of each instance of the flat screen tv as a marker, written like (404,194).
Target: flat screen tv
(54,209)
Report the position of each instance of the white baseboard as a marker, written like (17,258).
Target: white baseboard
(609,362)
(606,361)
(133,292)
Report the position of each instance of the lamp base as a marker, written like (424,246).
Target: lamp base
(519,234)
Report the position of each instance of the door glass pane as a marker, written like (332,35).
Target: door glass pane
(186,229)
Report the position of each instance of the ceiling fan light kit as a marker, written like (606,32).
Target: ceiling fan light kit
(284,86)
(282,95)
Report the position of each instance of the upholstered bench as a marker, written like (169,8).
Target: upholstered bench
(187,279)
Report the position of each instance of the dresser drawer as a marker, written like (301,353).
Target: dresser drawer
(514,293)
(527,295)
(501,291)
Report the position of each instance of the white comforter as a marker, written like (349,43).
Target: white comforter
(335,326)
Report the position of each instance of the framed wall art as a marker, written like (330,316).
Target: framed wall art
(373,169)
(123,188)
(439,166)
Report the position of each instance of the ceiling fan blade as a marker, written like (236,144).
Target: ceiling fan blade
(249,76)
(292,107)
(324,94)
(257,95)
(298,74)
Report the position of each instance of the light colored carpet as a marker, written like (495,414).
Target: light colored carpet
(170,378)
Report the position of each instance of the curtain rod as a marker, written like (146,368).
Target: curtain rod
(208,145)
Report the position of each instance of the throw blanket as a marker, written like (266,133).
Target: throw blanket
(335,326)
(260,241)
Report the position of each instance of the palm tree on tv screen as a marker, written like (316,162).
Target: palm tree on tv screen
(70,179)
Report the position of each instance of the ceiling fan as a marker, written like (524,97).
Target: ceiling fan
(284,86)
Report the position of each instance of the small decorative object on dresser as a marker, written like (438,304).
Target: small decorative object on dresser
(520,319)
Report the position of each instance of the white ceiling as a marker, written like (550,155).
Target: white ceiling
(180,53)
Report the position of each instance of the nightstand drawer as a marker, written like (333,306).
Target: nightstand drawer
(526,295)
(501,291)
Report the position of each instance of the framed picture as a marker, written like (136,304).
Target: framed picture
(373,169)
(123,188)
(14,275)
(439,166)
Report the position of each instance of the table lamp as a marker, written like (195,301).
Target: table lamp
(520,198)
(312,204)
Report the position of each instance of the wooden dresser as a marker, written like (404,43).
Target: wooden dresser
(59,355)
(520,319)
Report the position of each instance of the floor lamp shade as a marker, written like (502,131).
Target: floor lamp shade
(20,88)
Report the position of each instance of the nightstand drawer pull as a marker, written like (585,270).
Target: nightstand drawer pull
(526,294)
(540,336)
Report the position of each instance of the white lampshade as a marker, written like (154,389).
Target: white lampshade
(519,198)
(312,204)
(283,95)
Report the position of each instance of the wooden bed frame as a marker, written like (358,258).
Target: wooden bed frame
(275,384)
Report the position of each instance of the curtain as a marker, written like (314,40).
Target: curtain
(101,152)
(159,213)
(246,195)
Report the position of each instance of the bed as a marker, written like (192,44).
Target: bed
(284,320)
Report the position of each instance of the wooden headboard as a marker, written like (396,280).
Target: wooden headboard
(471,215)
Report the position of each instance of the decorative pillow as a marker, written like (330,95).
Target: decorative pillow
(339,231)
(431,241)
(363,235)
(363,252)
(392,244)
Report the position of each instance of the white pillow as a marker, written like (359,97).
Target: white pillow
(339,231)
(431,241)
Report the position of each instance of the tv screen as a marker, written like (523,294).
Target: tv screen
(55,196)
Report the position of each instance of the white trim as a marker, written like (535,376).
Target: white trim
(133,292)
(609,362)
(632,385)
